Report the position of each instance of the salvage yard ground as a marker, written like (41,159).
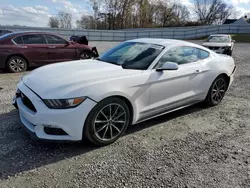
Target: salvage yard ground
(193,147)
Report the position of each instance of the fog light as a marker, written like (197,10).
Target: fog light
(49,126)
(54,131)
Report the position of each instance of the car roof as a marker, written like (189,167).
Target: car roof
(218,35)
(166,42)
(30,32)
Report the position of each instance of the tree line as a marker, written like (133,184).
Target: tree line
(125,14)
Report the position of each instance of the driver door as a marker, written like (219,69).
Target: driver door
(171,89)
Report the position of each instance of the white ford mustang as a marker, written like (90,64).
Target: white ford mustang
(135,81)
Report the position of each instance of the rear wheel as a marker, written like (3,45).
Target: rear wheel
(16,64)
(217,91)
(107,121)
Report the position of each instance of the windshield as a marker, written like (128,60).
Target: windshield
(221,39)
(132,55)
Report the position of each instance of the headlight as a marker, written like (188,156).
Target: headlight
(63,103)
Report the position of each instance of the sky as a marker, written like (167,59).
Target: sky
(37,12)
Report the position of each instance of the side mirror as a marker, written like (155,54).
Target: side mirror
(233,41)
(168,66)
(67,43)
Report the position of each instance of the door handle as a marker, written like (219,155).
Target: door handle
(198,71)
(51,47)
(22,46)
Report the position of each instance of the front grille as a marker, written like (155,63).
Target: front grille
(27,102)
(214,48)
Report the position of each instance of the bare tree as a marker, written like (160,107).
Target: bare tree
(53,22)
(212,11)
(122,14)
(65,20)
(96,4)
(182,14)
(86,22)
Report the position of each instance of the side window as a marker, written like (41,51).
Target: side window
(179,55)
(33,39)
(203,54)
(52,39)
(18,40)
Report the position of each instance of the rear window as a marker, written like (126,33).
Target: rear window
(6,36)
(52,39)
(33,39)
(18,40)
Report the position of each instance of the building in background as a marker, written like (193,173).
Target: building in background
(242,21)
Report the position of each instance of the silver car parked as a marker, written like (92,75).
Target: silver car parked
(222,44)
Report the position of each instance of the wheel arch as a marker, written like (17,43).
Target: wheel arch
(226,76)
(129,103)
(215,77)
(84,50)
(20,55)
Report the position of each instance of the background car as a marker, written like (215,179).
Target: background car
(21,50)
(222,44)
(133,82)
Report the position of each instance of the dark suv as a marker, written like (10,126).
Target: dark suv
(21,50)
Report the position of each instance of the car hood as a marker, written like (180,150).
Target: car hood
(213,44)
(62,79)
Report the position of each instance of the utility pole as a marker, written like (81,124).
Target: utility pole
(95,8)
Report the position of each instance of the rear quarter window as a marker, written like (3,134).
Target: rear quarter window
(204,54)
(18,40)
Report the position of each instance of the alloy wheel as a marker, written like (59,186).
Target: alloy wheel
(85,56)
(17,65)
(218,90)
(110,122)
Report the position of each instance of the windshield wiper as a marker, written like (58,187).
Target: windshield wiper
(108,62)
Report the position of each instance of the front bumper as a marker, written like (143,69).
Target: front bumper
(232,76)
(70,121)
(95,52)
(219,50)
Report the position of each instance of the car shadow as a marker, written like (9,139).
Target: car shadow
(19,153)
(28,70)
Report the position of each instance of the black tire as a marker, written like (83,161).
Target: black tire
(86,55)
(95,120)
(16,64)
(212,94)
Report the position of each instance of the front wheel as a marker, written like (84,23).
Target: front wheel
(86,55)
(217,91)
(107,121)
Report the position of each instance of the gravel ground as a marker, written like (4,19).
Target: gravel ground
(193,147)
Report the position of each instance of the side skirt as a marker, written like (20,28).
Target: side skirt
(166,112)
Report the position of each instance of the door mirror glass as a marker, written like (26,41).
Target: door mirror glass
(168,66)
